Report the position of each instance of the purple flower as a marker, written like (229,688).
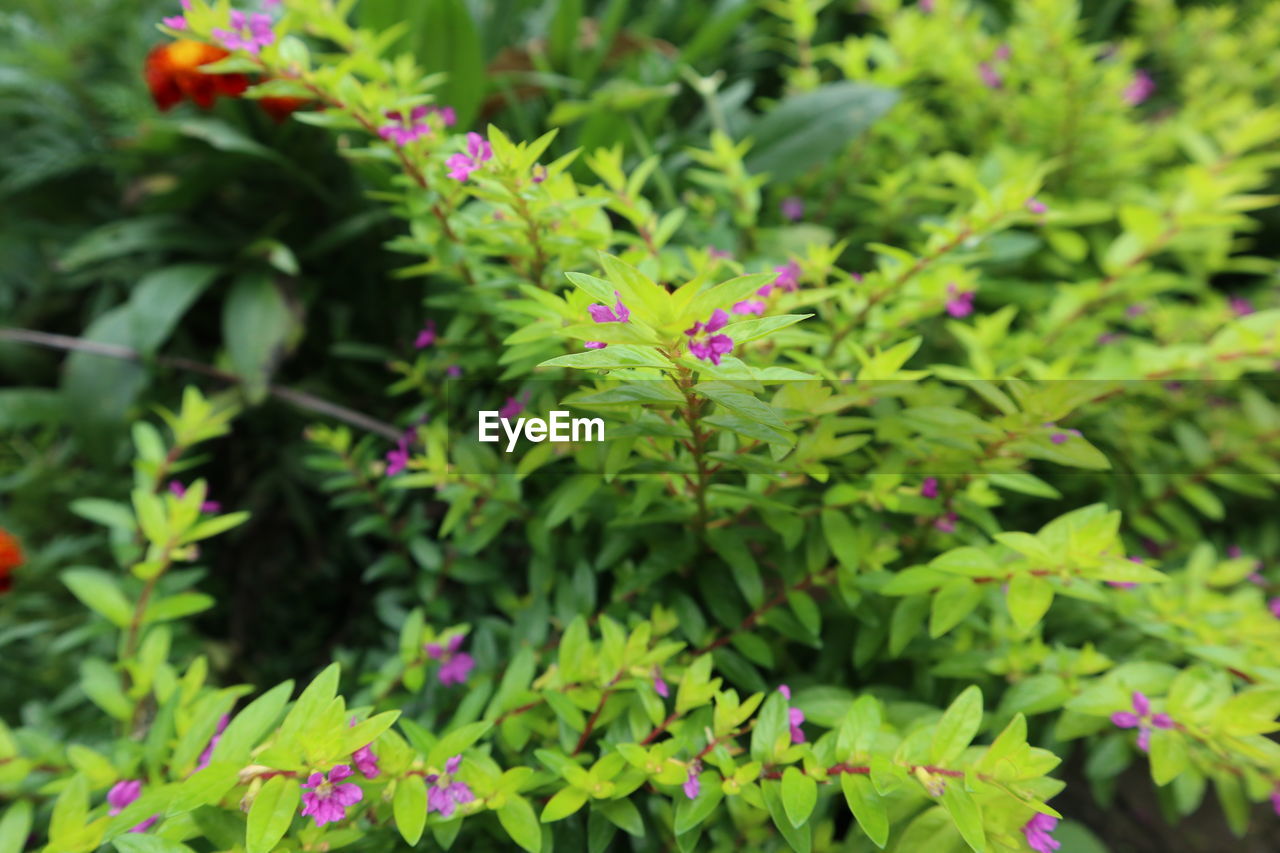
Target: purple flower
(959,304)
(453,371)
(398,458)
(793,208)
(512,408)
(1135,310)
(619,313)
(462,165)
(1275,801)
(427,336)
(926,6)
(929,489)
(660,686)
(180,490)
(325,800)
(794,718)
(121,795)
(447,116)
(1037,832)
(445,794)
(1036,206)
(1240,306)
(692,784)
(538,174)
(250,33)
(1003,52)
(406,129)
(1139,89)
(1274,605)
(366,762)
(594,344)
(177,22)
(719,254)
(1061,437)
(707,346)
(205,756)
(946,523)
(1142,719)
(788,275)
(455,665)
(749,306)
(990,76)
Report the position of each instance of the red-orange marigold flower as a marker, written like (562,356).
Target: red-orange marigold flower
(280,108)
(10,558)
(173,73)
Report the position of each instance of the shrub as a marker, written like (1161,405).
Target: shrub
(938,448)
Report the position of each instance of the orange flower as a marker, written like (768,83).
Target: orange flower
(10,558)
(173,73)
(282,107)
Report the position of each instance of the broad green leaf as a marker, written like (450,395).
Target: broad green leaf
(410,808)
(521,823)
(957,727)
(799,795)
(966,813)
(271,813)
(867,807)
(100,592)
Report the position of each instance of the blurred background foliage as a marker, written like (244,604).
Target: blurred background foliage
(253,247)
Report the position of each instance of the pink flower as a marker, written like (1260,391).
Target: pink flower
(788,278)
(404,130)
(946,523)
(692,784)
(594,344)
(959,304)
(990,76)
(1240,306)
(445,794)
(707,346)
(250,33)
(793,208)
(177,22)
(325,800)
(512,407)
(462,165)
(447,116)
(619,313)
(121,795)
(719,254)
(398,457)
(659,685)
(1135,310)
(926,6)
(749,306)
(1142,719)
(929,489)
(794,718)
(364,759)
(1003,52)
(427,336)
(180,490)
(453,371)
(1062,437)
(1274,606)
(455,665)
(1037,832)
(1036,206)
(1139,89)
(1126,584)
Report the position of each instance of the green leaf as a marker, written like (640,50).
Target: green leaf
(957,727)
(966,813)
(1028,599)
(624,815)
(867,807)
(271,813)
(953,602)
(14,827)
(204,787)
(691,813)
(799,795)
(445,40)
(611,358)
(800,838)
(521,823)
(814,128)
(100,592)
(71,809)
(251,724)
(564,803)
(137,843)
(256,327)
(160,300)
(410,808)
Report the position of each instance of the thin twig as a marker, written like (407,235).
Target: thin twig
(300,399)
